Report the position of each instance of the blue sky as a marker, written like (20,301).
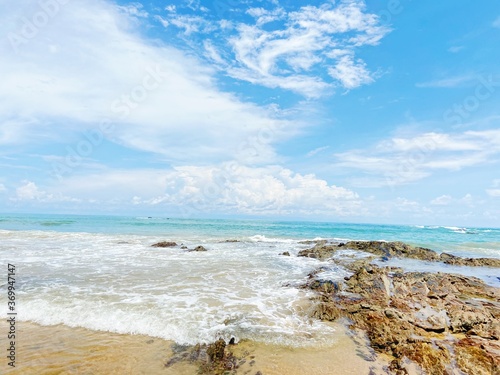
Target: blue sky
(359,111)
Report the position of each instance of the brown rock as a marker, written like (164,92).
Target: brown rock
(392,249)
(478,357)
(404,314)
(164,244)
(199,248)
(470,262)
(215,351)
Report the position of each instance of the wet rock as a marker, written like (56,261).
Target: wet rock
(286,253)
(392,249)
(215,351)
(326,311)
(311,242)
(470,262)
(476,356)
(164,244)
(212,359)
(199,248)
(413,316)
(231,241)
(319,251)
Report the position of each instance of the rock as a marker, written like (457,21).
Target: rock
(286,253)
(405,313)
(476,356)
(213,359)
(199,248)
(215,351)
(231,241)
(319,251)
(431,320)
(164,244)
(326,311)
(392,249)
(315,242)
(470,262)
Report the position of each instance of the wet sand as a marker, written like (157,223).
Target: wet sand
(44,350)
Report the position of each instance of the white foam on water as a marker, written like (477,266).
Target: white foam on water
(120,283)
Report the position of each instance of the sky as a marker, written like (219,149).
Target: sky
(352,111)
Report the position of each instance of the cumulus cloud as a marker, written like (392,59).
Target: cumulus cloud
(443,200)
(29,191)
(227,188)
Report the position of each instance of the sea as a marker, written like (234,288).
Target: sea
(101,273)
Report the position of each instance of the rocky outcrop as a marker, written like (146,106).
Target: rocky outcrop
(323,250)
(418,318)
(392,249)
(471,262)
(286,253)
(164,244)
(320,251)
(213,359)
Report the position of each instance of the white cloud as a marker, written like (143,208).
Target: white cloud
(2,188)
(496,23)
(401,160)
(226,188)
(350,73)
(317,151)
(443,200)
(450,82)
(30,192)
(190,24)
(493,193)
(100,69)
(455,49)
(134,9)
(288,57)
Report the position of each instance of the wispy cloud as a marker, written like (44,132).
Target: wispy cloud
(450,82)
(455,49)
(400,160)
(75,78)
(135,9)
(495,190)
(289,57)
(496,23)
(317,151)
(308,51)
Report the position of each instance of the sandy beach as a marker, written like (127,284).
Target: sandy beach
(44,350)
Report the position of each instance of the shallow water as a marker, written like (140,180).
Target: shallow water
(102,274)
(63,350)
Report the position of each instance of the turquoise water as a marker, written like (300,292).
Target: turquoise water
(101,273)
(463,241)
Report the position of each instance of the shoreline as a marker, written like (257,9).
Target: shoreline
(62,349)
(386,320)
